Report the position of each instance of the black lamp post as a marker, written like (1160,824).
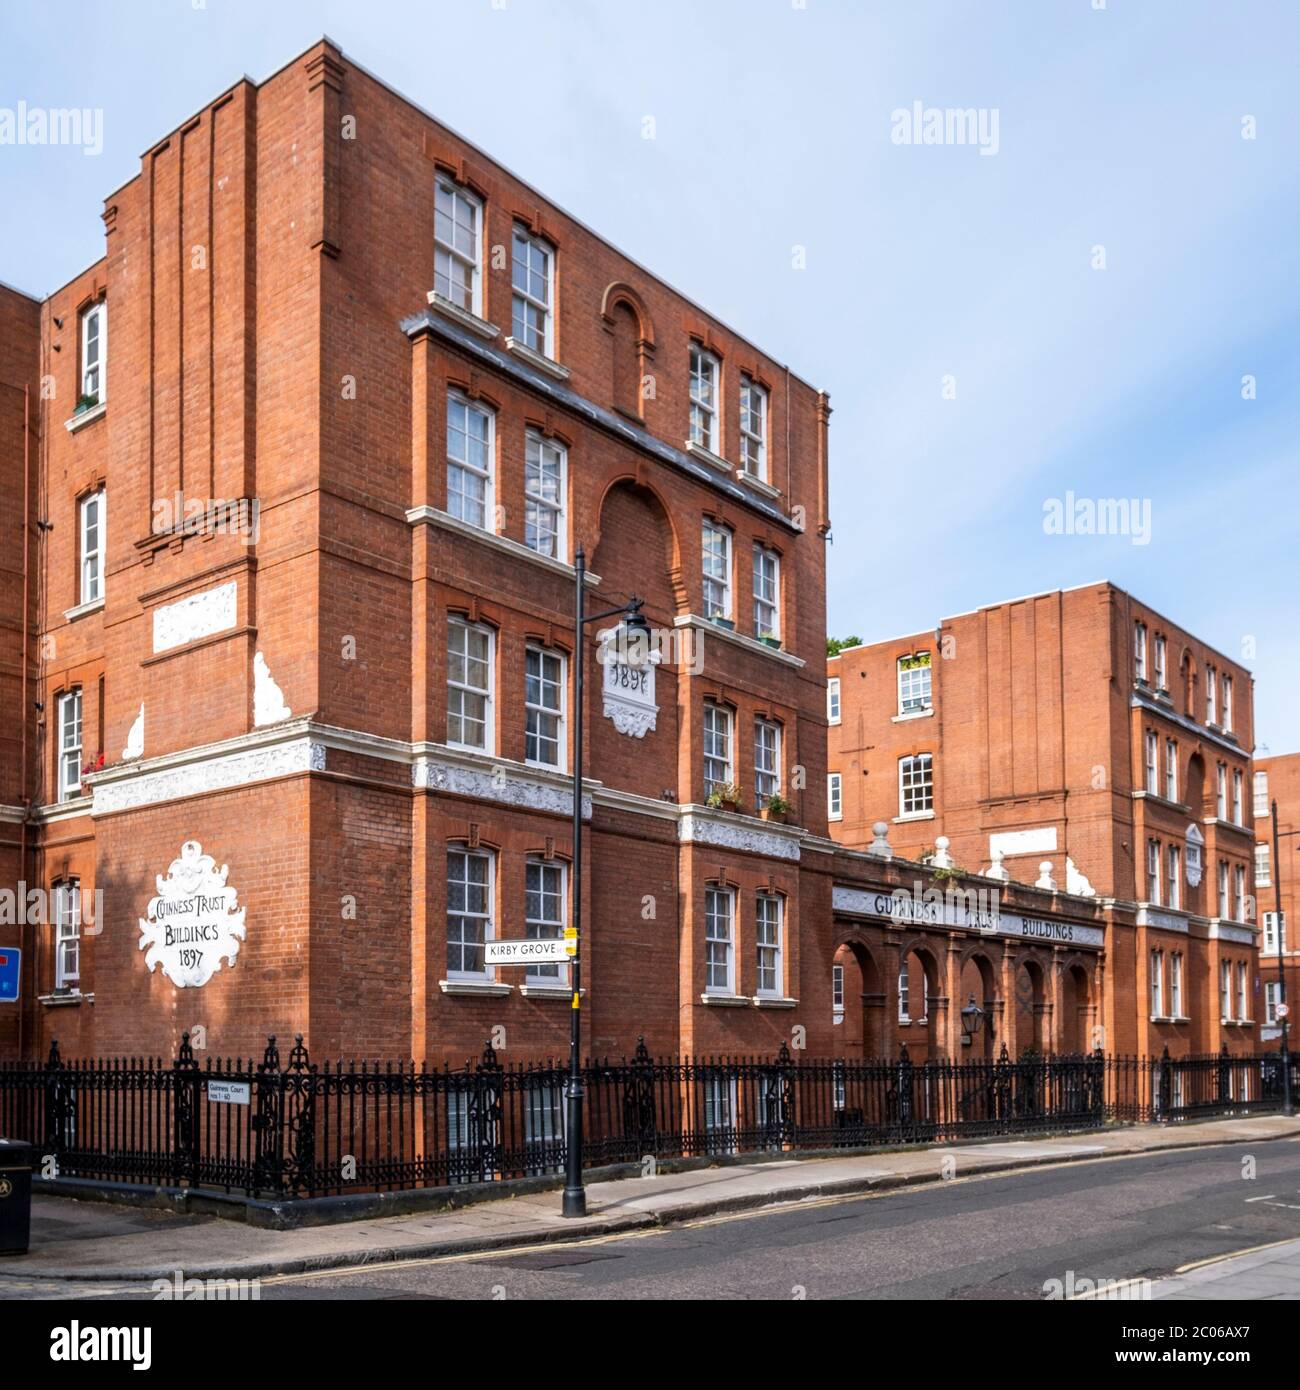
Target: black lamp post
(575,1194)
(971,1018)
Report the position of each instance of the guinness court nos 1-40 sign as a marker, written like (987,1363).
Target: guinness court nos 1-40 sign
(193,923)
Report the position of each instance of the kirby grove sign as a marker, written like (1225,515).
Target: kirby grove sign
(193,924)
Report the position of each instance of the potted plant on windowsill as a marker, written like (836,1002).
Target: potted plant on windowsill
(770,639)
(85,403)
(776,808)
(726,798)
(728,623)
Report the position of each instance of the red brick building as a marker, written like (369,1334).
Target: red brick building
(1276,869)
(1080,739)
(293,484)
(307,457)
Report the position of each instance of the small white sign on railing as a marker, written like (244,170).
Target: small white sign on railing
(229,1092)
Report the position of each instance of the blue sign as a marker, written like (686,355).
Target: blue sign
(11,962)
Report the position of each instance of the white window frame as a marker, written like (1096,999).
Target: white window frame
(1239,892)
(463,467)
(1153,872)
(720,1109)
(833,700)
(769,953)
(1221,790)
(753,428)
(1243,993)
(1152,757)
(542,458)
(1171,769)
(834,796)
(1161,667)
(715,567)
(1259,789)
(719,724)
(1271,942)
(916,783)
(904,993)
(837,990)
(461,624)
(1225,899)
(1225,991)
(1272,998)
(915,683)
(535,712)
(767,591)
(1211,695)
(1140,652)
(92,558)
(1173,876)
(71,733)
(767,760)
(705,397)
(487,917)
(1176,984)
(447,253)
(1263,865)
(98,387)
(1238,797)
(719,951)
(1227,704)
(67,934)
(546,928)
(1157,983)
(525,296)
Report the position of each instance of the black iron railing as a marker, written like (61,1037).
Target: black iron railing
(296,1128)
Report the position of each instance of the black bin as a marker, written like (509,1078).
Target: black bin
(15,1196)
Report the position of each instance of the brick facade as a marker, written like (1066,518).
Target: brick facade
(1277,779)
(285,695)
(1036,721)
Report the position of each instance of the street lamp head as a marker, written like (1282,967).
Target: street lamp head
(634,620)
(971,1017)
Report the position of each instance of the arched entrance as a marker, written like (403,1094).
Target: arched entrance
(1031,1008)
(918,994)
(1076,1010)
(978,982)
(860,1029)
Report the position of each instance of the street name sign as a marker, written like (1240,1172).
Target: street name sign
(526,952)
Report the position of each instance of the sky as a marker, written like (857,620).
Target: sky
(1096,300)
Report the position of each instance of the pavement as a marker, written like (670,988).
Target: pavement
(1270,1273)
(90,1241)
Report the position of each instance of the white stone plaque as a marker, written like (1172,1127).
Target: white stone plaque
(629,684)
(193,923)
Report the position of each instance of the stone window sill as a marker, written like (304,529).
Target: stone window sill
(708,456)
(1161,800)
(82,609)
(725,1000)
(479,988)
(434,517)
(1230,825)
(751,644)
(537,359)
(758,485)
(775,1001)
(926,713)
(482,327)
(87,417)
(62,999)
(913,815)
(538,990)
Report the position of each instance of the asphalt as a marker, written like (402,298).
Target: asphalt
(82,1244)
